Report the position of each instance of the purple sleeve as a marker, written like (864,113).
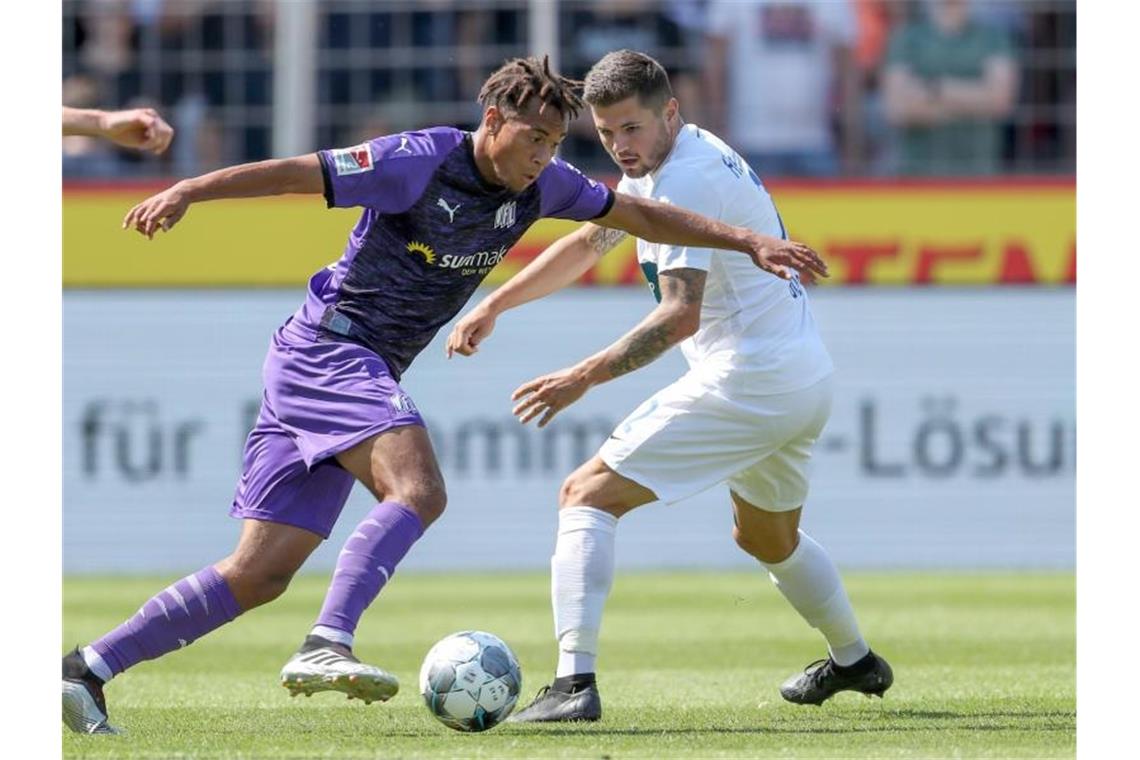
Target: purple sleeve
(565,193)
(386,173)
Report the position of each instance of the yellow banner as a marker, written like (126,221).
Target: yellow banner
(873,233)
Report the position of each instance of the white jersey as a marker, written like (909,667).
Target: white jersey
(755,327)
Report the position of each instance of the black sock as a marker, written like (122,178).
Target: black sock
(75,667)
(863,665)
(573,684)
(312,642)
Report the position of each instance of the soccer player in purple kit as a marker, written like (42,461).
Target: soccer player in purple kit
(441,207)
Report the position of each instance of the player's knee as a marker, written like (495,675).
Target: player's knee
(273,584)
(426,497)
(255,583)
(743,540)
(575,492)
(769,548)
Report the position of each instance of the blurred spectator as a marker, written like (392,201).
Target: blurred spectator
(874,20)
(107,49)
(691,17)
(789,71)
(799,85)
(205,62)
(950,83)
(593,28)
(202,149)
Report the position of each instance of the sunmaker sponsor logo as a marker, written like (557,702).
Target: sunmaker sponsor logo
(478,260)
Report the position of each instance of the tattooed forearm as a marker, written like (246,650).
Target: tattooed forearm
(674,320)
(603,239)
(640,347)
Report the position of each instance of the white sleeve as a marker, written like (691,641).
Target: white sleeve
(687,192)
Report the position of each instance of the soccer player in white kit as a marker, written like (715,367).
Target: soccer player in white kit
(747,413)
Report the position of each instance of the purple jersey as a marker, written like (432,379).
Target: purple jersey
(431,230)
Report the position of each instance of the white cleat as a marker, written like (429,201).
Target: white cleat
(84,709)
(81,712)
(323,665)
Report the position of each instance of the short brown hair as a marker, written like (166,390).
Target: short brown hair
(625,73)
(512,84)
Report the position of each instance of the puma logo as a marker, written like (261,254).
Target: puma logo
(450,211)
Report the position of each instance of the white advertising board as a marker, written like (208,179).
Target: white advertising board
(951,444)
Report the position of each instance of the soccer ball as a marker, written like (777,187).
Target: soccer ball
(470,681)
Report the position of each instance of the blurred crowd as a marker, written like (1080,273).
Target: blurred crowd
(806,88)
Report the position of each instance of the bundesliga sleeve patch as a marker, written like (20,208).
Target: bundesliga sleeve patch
(355,160)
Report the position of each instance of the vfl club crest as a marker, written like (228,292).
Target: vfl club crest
(505,216)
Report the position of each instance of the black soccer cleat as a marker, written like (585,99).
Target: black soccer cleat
(551,706)
(823,678)
(84,709)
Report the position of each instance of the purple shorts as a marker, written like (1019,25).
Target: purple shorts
(321,397)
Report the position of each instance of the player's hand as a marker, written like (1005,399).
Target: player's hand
(470,331)
(160,211)
(140,128)
(548,395)
(776,256)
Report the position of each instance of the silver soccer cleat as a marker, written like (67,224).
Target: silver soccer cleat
(323,665)
(84,710)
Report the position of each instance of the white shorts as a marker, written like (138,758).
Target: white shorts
(694,434)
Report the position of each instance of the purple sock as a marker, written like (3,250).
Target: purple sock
(171,619)
(367,561)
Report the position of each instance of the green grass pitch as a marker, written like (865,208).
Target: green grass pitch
(690,665)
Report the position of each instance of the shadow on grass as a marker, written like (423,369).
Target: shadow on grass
(770,730)
(889,721)
(945,714)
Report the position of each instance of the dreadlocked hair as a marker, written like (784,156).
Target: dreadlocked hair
(511,86)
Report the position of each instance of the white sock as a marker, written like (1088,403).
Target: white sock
(333,634)
(581,574)
(809,580)
(96,664)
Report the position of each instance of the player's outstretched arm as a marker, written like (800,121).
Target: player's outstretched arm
(140,128)
(274,177)
(677,317)
(658,222)
(563,262)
